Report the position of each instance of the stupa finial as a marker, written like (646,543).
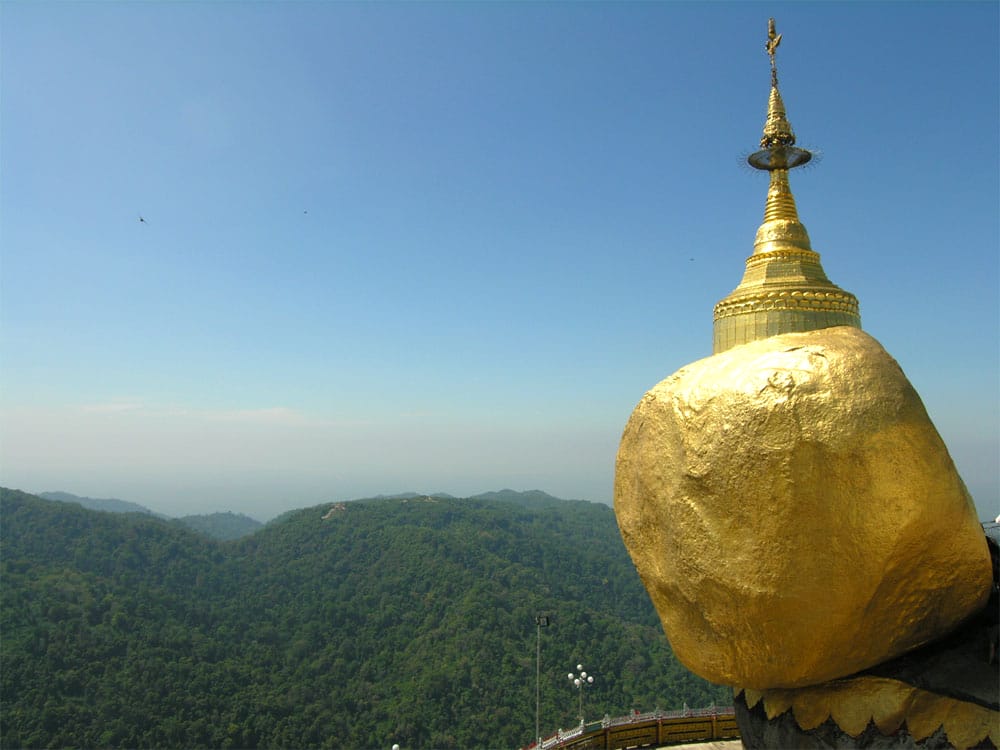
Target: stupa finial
(778,149)
(771,45)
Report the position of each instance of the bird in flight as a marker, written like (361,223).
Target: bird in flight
(142,220)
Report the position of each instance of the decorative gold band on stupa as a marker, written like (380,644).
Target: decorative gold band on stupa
(784,288)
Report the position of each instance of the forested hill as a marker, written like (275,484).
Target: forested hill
(223,526)
(358,625)
(107,504)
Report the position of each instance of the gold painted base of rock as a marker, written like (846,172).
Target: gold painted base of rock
(890,704)
(794,514)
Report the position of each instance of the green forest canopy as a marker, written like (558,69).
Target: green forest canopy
(361,624)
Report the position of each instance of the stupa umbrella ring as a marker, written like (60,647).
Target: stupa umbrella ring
(779,157)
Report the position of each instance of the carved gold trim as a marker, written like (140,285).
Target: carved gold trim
(797,301)
(853,703)
(758,259)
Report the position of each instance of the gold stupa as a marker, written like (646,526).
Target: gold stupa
(784,288)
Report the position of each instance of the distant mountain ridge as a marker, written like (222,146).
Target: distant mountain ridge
(525,497)
(223,526)
(106,504)
(411,496)
(228,525)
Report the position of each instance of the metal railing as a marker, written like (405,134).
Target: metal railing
(561,738)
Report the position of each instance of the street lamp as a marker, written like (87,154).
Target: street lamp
(580,680)
(541,621)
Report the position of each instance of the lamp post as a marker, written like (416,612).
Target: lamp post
(580,680)
(541,621)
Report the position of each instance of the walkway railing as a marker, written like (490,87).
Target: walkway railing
(648,729)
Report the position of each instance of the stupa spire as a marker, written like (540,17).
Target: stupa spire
(784,287)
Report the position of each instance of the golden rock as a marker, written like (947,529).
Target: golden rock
(794,514)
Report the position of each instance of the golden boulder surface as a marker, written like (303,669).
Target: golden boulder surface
(794,514)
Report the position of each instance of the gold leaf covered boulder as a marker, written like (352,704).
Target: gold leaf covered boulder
(794,514)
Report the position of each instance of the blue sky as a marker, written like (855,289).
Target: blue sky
(448,246)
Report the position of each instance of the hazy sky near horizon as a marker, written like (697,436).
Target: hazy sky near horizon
(448,246)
